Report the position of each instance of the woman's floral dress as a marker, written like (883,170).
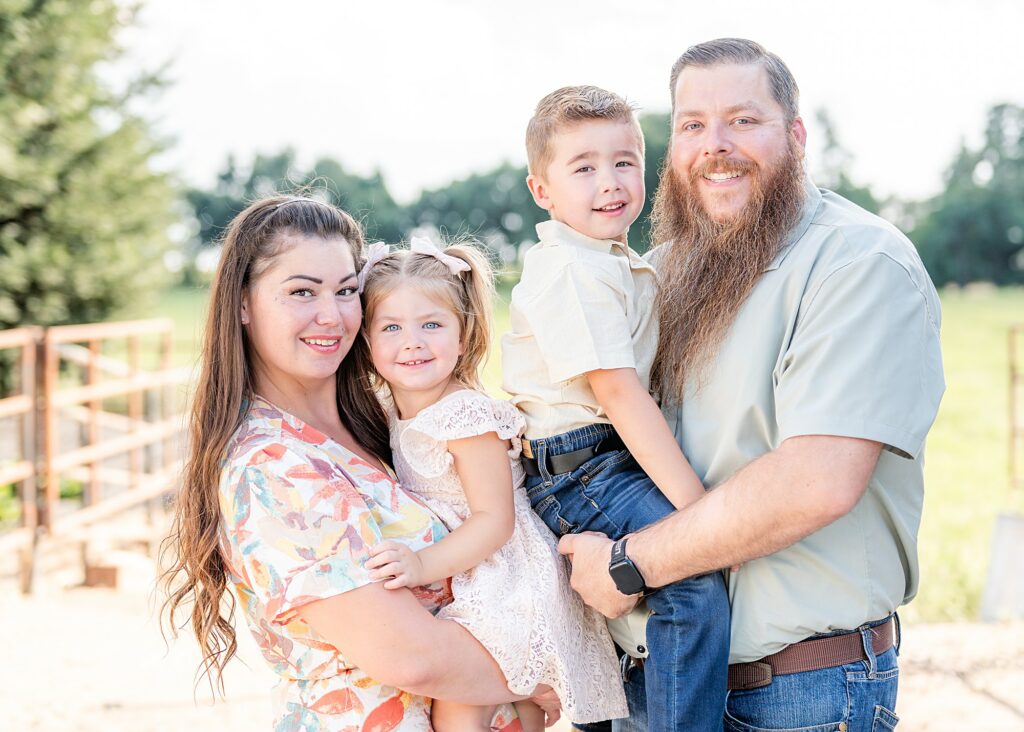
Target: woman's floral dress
(299,513)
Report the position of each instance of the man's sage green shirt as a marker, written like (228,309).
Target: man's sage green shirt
(839,337)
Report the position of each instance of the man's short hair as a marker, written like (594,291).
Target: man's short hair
(567,106)
(742,51)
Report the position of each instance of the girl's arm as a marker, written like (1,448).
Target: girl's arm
(482,464)
(396,641)
(640,424)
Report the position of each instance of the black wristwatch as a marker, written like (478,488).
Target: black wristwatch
(624,573)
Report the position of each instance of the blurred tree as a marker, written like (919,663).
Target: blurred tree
(974,229)
(83,216)
(367,199)
(657,128)
(834,167)
(495,206)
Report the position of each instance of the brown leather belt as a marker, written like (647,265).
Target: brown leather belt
(810,655)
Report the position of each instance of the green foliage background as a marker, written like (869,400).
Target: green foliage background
(83,215)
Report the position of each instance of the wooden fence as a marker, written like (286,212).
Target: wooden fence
(99,411)
(20,467)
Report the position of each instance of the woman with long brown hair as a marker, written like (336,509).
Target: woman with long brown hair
(287,485)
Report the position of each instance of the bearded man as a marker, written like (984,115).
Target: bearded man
(800,369)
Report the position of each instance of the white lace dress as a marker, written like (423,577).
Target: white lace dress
(518,602)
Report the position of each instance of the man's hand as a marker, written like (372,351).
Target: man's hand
(395,563)
(546,698)
(590,553)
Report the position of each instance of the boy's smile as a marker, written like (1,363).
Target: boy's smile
(595,180)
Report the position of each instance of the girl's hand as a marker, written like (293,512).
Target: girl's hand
(395,563)
(546,698)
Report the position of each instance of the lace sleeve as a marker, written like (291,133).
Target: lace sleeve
(462,414)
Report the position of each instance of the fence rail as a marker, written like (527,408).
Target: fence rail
(70,434)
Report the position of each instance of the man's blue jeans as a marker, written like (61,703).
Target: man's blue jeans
(688,633)
(856,697)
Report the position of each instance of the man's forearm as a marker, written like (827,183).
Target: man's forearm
(783,496)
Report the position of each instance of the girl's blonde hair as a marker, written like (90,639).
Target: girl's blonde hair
(470,295)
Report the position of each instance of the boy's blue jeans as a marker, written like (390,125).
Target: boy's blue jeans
(686,672)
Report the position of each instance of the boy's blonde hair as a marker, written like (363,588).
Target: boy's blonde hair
(470,295)
(567,106)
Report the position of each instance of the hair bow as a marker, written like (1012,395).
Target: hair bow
(377,251)
(427,247)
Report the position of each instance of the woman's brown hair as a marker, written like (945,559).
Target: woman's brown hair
(197,576)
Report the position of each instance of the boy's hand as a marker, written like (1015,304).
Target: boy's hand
(395,563)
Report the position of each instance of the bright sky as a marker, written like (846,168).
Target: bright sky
(431,91)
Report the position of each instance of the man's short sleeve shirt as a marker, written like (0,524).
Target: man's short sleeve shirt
(839,337)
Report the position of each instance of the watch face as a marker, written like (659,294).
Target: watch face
(626,577)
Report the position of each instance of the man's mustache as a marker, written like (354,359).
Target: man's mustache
(723,165)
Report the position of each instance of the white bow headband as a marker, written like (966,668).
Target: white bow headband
(379,250)
(427,247)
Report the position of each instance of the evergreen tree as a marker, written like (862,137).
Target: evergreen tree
(83,216)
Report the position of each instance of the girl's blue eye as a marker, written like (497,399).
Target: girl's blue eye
(390,328)
(431,325)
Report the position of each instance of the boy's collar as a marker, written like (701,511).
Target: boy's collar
(552,230)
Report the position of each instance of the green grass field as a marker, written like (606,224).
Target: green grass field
(967,481)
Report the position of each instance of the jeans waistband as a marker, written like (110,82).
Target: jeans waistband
(572,440)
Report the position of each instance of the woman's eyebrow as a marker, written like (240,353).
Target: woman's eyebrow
(316,280)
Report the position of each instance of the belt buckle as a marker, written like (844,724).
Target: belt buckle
(527,450)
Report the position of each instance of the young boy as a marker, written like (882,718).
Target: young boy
(598,453)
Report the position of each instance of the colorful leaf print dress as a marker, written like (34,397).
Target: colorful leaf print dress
(299,512)
(518,602)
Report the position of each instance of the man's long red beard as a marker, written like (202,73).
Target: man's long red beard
(710,266)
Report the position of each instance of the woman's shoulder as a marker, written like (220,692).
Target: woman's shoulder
(269,440)
(262,425)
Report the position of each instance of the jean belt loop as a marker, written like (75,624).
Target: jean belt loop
(899,631)
(867,640)
(540,452)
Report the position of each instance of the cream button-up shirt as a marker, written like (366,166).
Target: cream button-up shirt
(581,304)
(840,336)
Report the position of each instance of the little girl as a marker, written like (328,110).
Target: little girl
(427,315)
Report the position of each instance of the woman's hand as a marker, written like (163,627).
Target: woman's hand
(395,563)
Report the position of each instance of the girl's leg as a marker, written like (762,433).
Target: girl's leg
(530,716)
(446,716)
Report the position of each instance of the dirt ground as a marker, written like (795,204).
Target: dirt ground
(84,660)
